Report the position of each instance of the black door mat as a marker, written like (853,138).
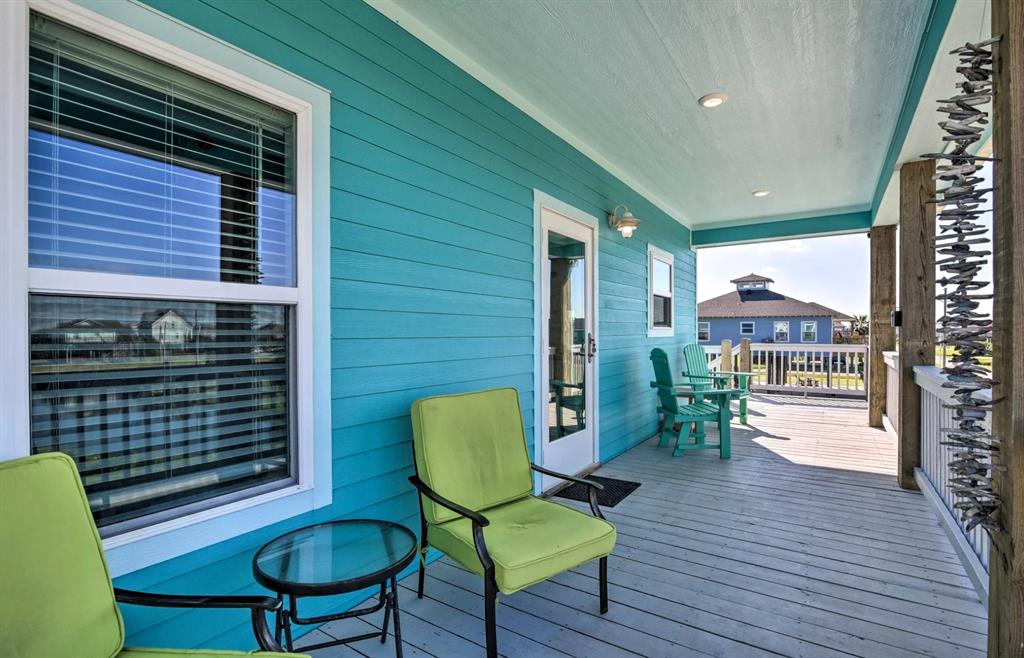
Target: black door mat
(612,494)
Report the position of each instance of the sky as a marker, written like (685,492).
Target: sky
(831,270)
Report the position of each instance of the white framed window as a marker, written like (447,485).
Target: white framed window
(703,331)
(781,331)
(169,245)
(809,331)
(747,328)
(661,271)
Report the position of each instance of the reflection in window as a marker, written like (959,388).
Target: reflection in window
(809,331)
(661,292)
(135,173)
(137,168)
(703,331)
(567,334)
(161,403)
(782,332)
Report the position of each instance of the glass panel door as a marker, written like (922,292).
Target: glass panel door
(567,336)
(567,346)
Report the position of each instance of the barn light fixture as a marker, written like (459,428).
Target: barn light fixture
(625,223)
(714,100)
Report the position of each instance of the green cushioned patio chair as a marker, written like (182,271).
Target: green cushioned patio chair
(477,506)
(57,599)
(697,375)
(707,405)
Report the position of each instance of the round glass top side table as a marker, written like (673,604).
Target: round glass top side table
(336,558)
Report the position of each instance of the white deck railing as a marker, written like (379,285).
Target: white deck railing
(809,369)
(933,476)
(892,389)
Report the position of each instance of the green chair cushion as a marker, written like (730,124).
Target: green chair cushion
(57,596)
(529,540)
(471,449)
(144,652)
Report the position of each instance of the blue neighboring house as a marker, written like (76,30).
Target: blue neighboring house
(763,315)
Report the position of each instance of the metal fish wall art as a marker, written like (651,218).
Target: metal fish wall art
(961,251)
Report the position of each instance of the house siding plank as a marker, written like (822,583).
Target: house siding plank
(432,178)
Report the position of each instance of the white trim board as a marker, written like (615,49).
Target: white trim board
(146,30)
(449,51)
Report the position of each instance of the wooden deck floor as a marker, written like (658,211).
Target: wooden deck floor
(800,545)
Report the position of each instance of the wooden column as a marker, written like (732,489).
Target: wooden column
(917,305)
(726,362)
(745,364)
(1006,563)
(881,334)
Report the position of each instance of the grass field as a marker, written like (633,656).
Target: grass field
(950,351)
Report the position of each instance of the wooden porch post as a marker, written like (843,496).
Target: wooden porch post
(881,334)
(917,305)
(1006,564)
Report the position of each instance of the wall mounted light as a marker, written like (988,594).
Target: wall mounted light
(626,223)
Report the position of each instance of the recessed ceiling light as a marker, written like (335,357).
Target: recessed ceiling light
(761,193)
(713,100)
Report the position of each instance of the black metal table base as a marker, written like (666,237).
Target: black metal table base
(387,599)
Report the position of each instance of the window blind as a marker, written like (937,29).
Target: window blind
(136,167)
(161,403)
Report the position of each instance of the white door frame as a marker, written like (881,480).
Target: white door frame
(540,387)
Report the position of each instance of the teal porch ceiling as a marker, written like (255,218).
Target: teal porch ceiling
(815,90)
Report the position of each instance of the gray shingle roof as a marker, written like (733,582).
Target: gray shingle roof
(752,278)
(762,304)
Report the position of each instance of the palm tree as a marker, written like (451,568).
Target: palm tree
(860,324)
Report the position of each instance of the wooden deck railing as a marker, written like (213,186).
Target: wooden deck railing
(933,475)
(808,369)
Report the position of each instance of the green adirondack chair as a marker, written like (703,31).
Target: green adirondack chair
(710,405)
(698,376)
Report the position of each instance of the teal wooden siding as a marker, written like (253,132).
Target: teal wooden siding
(432,180)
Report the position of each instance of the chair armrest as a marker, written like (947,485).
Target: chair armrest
(257,605)
(739,374)
(478,520)
(679,391)
(716,392)
(570,478)
(475,517)
(592,487)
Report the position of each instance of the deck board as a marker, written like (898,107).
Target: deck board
(800,545)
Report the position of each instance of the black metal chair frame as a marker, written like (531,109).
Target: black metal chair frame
(480,522)
(257,605)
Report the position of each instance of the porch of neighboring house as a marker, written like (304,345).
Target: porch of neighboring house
(801,545)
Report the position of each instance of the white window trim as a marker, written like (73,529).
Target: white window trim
(814,323)
(135,26)
(654,253)
(753,328)
(775,331)
(703,340)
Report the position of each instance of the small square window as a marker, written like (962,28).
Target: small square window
(782,331)
(809,331)
(660,304)
(746,328)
